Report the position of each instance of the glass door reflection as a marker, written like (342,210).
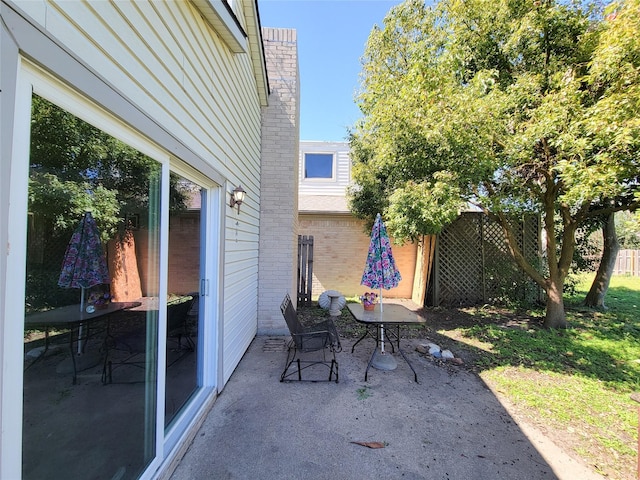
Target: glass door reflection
(87,412)
(186,230)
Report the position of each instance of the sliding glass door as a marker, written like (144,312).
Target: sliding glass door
(121,242)
(92,301)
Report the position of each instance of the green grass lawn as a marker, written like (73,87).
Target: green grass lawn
(575,383)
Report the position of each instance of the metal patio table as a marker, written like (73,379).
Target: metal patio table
(72,318)
(393,315)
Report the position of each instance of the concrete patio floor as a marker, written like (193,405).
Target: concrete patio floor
(447,426)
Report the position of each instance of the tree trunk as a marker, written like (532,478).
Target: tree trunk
(555,316)
(123,266)
(600,285)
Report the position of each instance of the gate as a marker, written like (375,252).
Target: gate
(305,269)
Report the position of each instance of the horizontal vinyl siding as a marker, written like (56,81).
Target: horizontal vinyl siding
(166,60)
(242,297)
(240,289)
(170,63)
(336,186)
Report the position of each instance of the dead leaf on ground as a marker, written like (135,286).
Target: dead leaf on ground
(370,444)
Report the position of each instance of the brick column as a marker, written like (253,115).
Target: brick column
(278,249)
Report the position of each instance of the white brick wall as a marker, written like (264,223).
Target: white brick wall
(277,268)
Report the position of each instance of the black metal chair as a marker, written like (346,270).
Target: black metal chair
(321,338)
(131,339)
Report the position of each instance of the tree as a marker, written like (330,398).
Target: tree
(510,105)
(616,70)
(75,167)
(600,285)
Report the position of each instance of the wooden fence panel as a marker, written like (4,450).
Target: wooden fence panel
(305,269)
(628,263)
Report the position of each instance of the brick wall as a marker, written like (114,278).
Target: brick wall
(277,267)
(184,253)
(184,256)
(340,247)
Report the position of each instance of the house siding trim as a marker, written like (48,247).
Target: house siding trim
(47,53)
(226,148)
(224,21)
(13,208)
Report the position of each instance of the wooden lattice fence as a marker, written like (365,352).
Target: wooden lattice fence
(473,264)
(305,269)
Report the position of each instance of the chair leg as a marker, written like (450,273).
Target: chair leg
(333,363)
(290,359)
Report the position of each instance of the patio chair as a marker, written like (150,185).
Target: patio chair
(128,346)
(314,343)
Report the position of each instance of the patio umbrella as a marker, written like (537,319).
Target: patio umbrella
(380,269)
(84,264)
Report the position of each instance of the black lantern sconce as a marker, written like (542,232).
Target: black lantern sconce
(237,197)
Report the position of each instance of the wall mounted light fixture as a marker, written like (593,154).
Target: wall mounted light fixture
(237,197)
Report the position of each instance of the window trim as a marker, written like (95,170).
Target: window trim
(333,177)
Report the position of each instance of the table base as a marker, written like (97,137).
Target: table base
(384,361)
(373,362)
(81,361)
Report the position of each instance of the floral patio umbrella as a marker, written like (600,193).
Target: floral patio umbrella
(380,269)
(84,264)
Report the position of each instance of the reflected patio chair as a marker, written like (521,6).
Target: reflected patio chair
(310,346)
(128,345)
(178,327)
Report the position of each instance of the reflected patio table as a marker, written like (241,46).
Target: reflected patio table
(70,317)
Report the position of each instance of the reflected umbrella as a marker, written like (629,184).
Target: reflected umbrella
(84,264)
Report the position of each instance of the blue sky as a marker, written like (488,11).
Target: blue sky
(331,39)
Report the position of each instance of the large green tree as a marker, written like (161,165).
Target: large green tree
(514,106)
(615,79)
(76,167)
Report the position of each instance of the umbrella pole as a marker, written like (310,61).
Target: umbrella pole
(382,361)
(80,333)
(381,324)
(376,269)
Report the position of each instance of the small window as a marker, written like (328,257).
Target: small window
(318,165)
